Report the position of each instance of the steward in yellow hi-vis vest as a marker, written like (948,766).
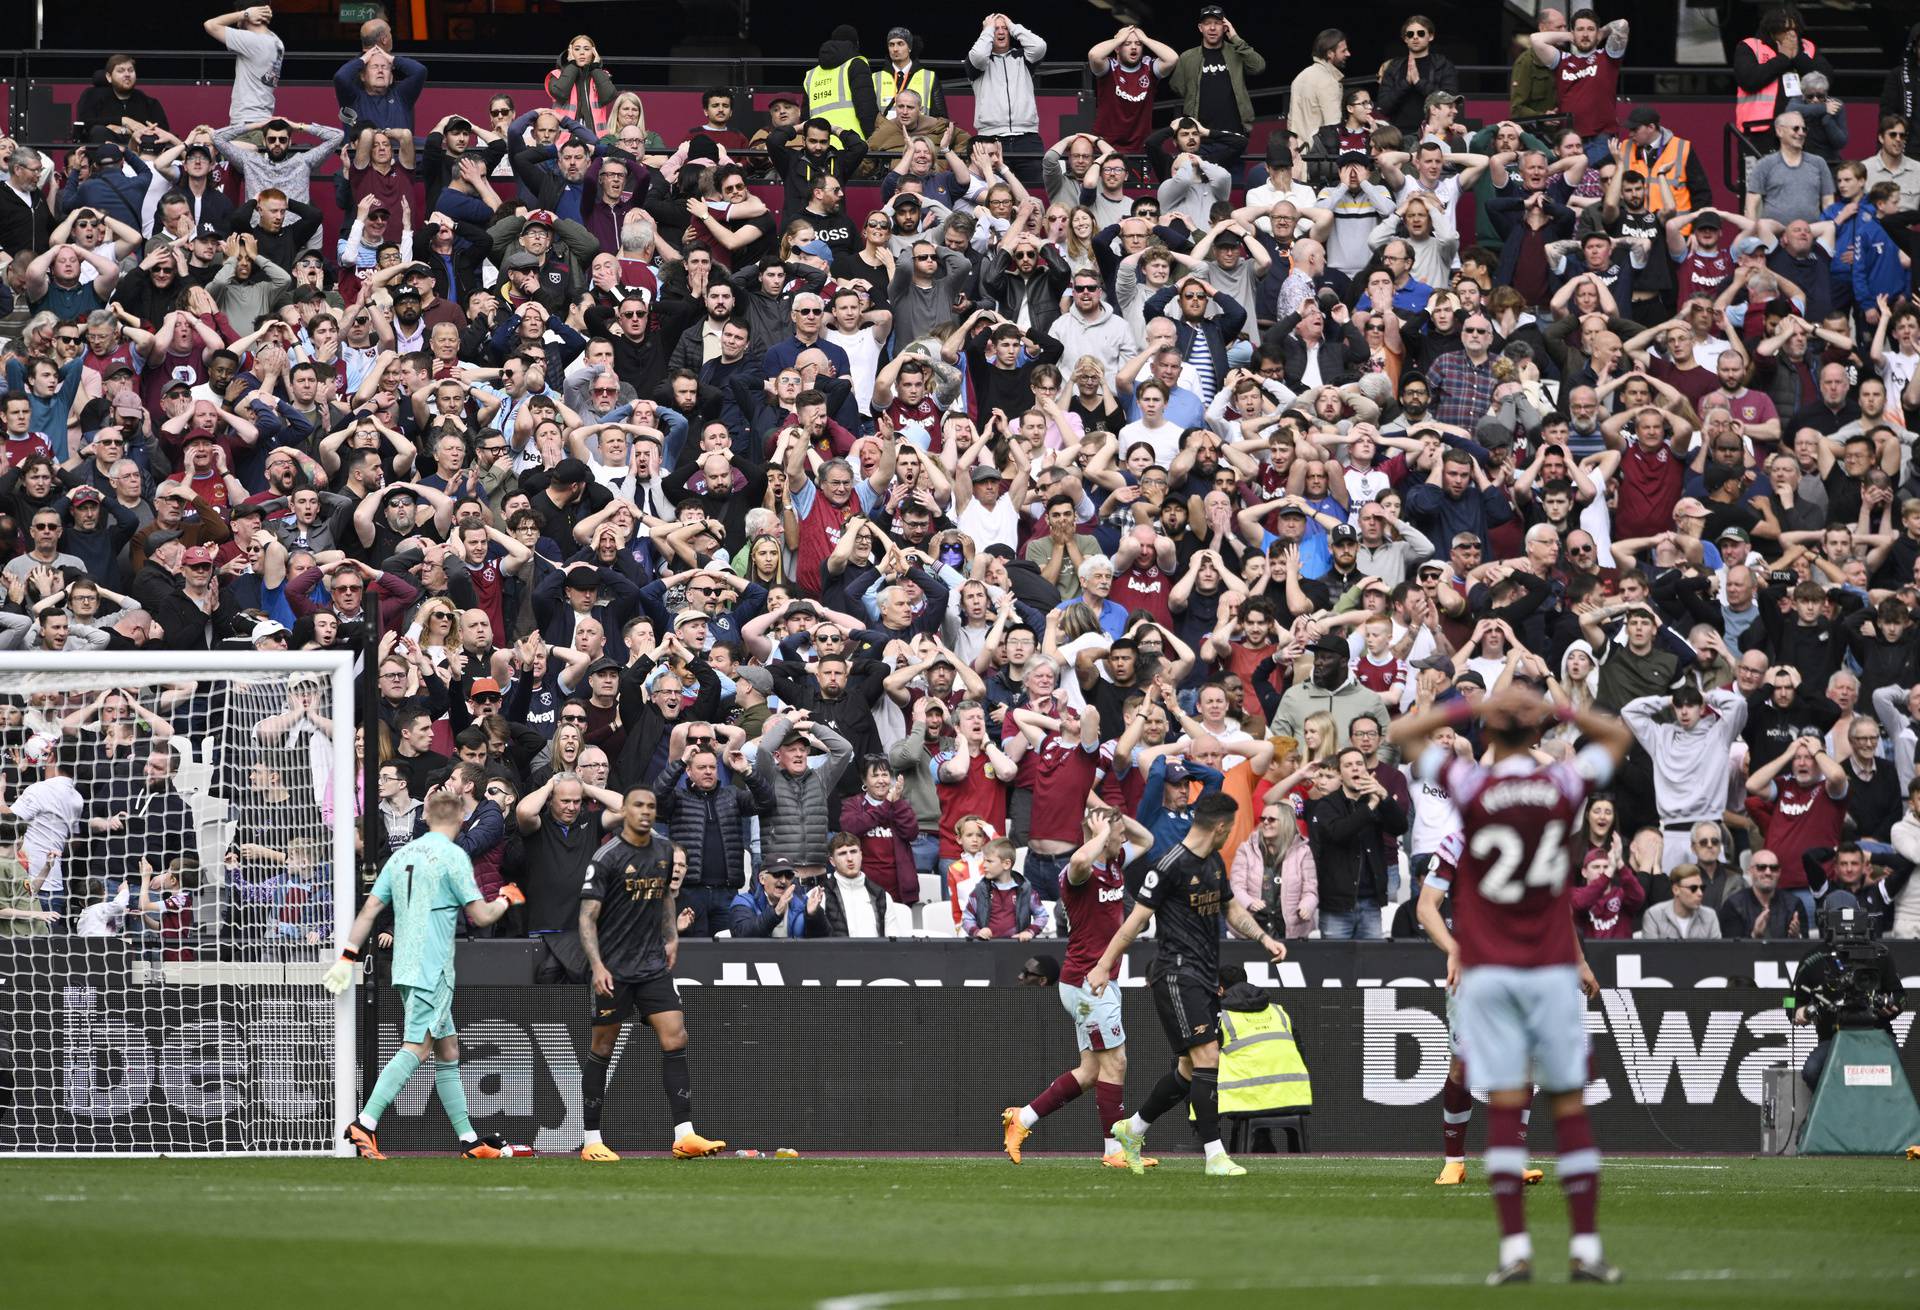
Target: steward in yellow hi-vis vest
(1260,1064)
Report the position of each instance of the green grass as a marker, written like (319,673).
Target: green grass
(559,1235)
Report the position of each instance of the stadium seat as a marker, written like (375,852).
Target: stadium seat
(932,888)
(1243,1132)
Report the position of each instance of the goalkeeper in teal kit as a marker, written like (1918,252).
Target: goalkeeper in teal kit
(429,881)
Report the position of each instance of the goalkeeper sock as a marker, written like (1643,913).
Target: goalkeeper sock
(1205,1100)
(393,1078)
(593,1093)
(453,1098)
(676,1079)
(1170,1091)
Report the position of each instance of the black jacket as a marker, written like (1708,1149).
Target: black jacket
(687,810)
(100,107)
(1341,353)
(284,246)
(24,231)
(1404,103)
(1347,849)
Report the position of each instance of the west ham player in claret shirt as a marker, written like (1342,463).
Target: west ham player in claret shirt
(1093,899)
(1185,892)
(628,930)
(1521,1012)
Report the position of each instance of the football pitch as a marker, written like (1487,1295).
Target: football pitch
(872,1233)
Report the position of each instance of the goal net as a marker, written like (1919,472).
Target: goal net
(177,857)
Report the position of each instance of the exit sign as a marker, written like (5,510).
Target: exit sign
(354,13)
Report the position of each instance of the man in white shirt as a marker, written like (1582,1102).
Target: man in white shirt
(49,808)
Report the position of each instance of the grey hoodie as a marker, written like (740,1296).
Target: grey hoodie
(1003,101)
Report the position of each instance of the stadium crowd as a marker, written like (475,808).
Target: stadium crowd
(883,524)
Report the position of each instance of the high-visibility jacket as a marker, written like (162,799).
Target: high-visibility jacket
(830,96)
(1260,1066)
(886,85)
(1668,169)
(1756,109)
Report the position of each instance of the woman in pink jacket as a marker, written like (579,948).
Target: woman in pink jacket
(1273,875)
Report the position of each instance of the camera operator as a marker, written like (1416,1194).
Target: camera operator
(1873,885)
(1850,982)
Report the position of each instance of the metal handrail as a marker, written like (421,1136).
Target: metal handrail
(1737,152)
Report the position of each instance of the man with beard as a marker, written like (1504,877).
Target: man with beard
(383,521)
(152,822)
(1331,689)
(274,164)
(1316,97)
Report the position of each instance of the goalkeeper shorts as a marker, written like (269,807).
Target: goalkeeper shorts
(429,1011)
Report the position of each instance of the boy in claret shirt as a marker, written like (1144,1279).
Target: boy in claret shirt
(1378,668)
(1002,905)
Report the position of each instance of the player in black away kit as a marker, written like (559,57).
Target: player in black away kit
(627,929)
(1185,891)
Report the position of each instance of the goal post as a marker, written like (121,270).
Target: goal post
(178,858)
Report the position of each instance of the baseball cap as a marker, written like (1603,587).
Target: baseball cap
(1213,11)
(1467,676)
(1293,507)
(1176,771)
(1492,433)
(457,124)
(779,865)
(84,496)
(818,249)
(197,149)
(1708,219)
(406,291)
(1343,533)
(1688,507)
(1748,246)
(197,555)
(379,211)
(1359,157)
(757,678)
(207,232)
(569,471)
(128,403)
(178,384)
(483,687)
(1328,644)
(1643,116)
(1445,98)
(1431,566)
(542,217)
(1735,534)
(264,628)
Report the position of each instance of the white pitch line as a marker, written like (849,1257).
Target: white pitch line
(1126,1287)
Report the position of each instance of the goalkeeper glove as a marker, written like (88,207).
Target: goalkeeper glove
(512,895)
(340,977)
